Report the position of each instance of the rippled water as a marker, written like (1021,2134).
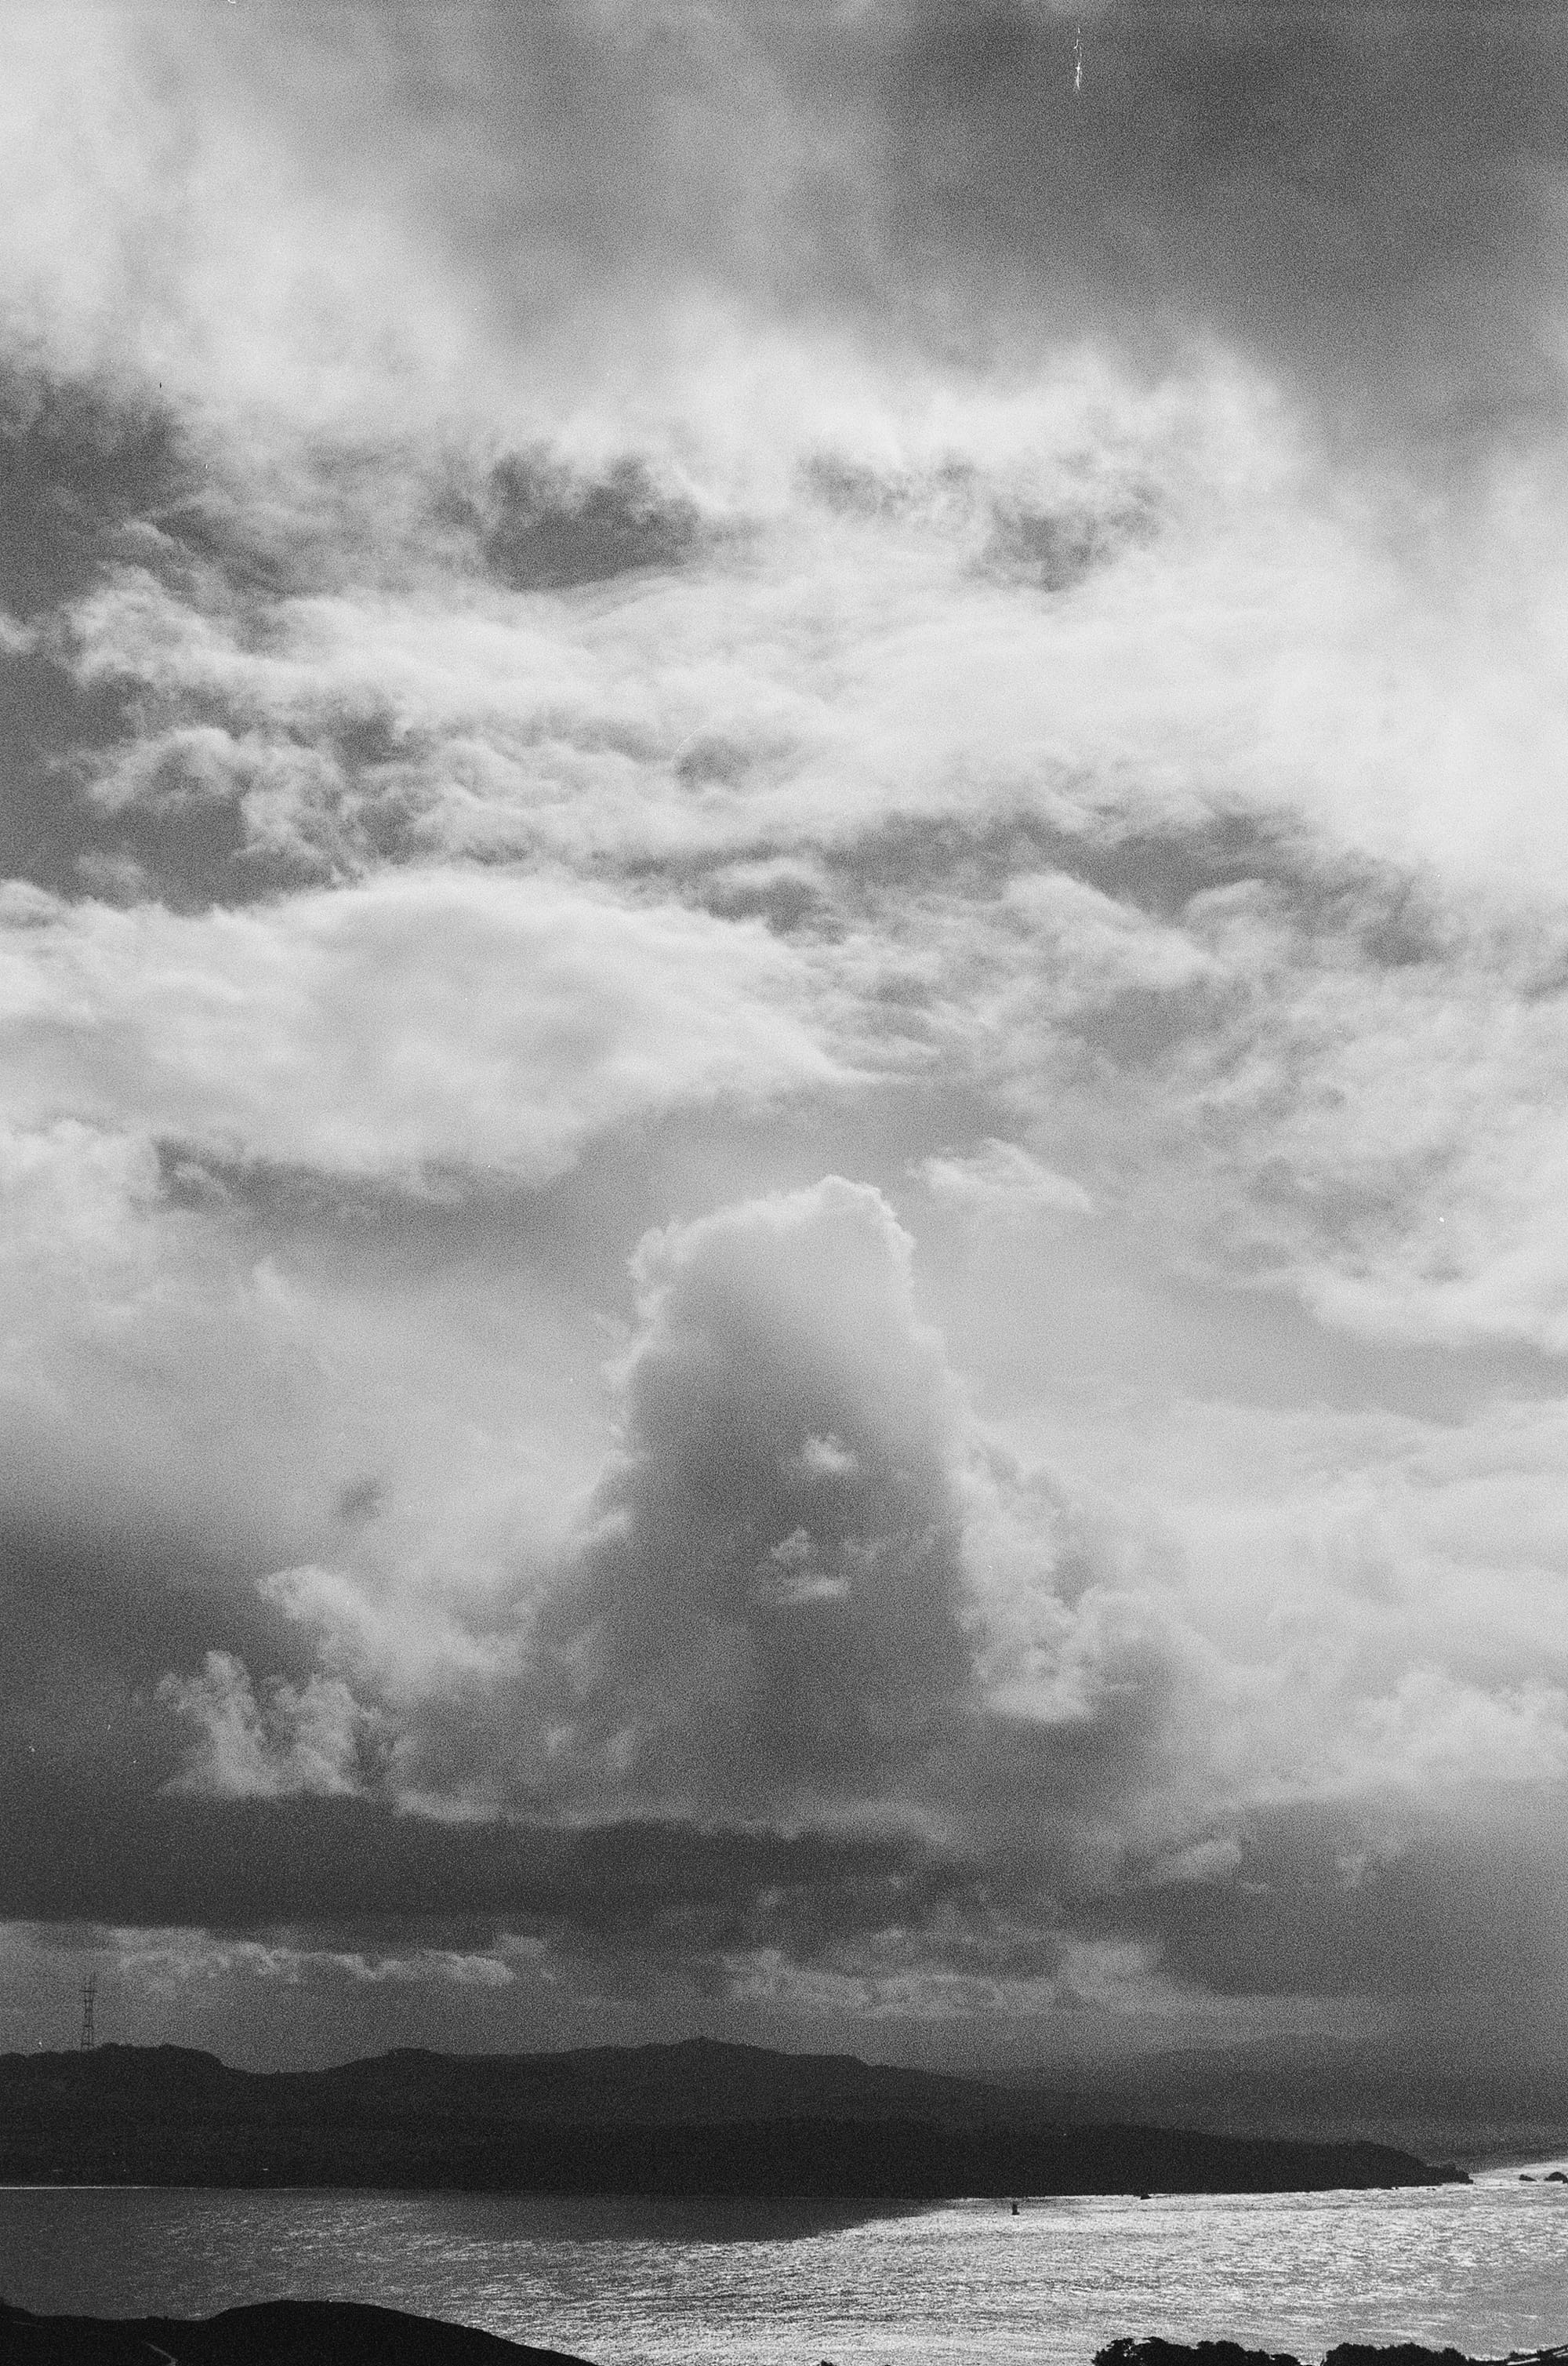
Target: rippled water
(624,2282)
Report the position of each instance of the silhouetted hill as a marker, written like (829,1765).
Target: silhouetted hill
(273,2333)
(698,2117)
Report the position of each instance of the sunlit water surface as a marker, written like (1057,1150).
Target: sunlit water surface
(1485,2268)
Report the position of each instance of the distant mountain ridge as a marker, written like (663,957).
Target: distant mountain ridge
(698,2116)
(1424,2097)
(691,2081)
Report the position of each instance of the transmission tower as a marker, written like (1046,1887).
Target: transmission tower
(89,1991)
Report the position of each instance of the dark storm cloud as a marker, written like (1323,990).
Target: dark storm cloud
(1367,193)
(341,1865)
(1409,1907)
(1332,1905)
(94,1610)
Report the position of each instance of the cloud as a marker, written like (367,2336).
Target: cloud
(812,1597)
(426,1022)
(1256,217)
(1002,1180)
(304,1738)
(1241,953)
(753,1621)
(547,533)
(815,1614)
(600,622)
(803,1600)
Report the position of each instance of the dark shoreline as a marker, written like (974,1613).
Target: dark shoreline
(790,2159)
(1154,2351)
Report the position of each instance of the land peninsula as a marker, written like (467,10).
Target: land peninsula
(696,2117)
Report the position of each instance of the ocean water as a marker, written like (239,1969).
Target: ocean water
(650,2283)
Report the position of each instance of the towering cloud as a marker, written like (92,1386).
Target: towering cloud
(768,1615)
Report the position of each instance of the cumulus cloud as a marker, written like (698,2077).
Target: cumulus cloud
(755,1621)
(295,1738)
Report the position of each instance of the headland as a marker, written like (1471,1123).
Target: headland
(685,2119)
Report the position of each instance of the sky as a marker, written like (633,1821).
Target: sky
(784,966)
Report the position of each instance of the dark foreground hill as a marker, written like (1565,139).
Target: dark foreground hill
(275,2333)
(1156,2351)
(698,2118)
